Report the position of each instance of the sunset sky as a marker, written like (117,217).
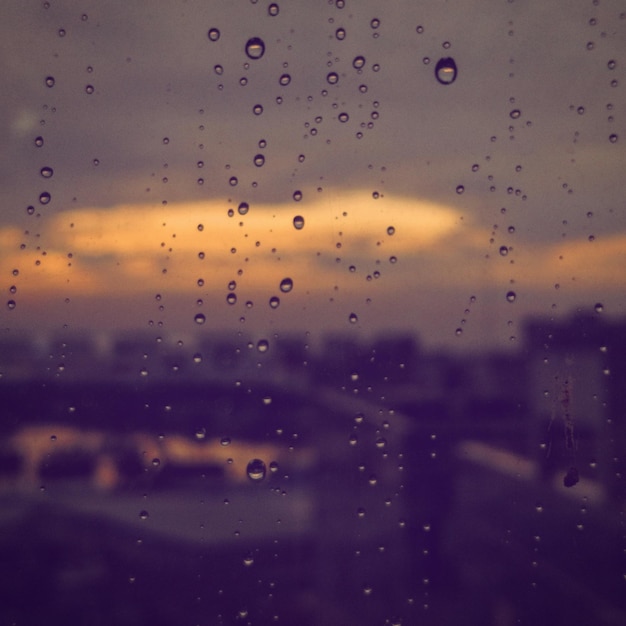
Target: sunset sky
(424,204)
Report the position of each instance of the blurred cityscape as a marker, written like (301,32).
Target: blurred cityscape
(252,480)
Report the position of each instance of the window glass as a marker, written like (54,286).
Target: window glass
(313,313)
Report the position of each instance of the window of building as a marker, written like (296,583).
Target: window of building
(313,313)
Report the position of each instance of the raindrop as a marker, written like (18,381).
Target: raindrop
(391,230)
(263,345)
(297,195)
(89,89)
(231,298)
(332,78)
(255,48)
(460,189)
(611,64)
(284,80)
(298,222)
(273,9)
(613,138)
(344,117)
(248,560)
(11,305)
(515,114)
(599,307)
(143,515)
(274,302)
(257,109)
(199,318)
(358,62)
(375,23)
(259,160)
(39,141)
(446,71)
(256,470)
(44,197)
(201,434)
(286,285)
(511,296)
(503,250)
(50,81)
(340,33)
(233,181)
(213,34)
(46,172)
(243,208)
(218,69)
(353,318)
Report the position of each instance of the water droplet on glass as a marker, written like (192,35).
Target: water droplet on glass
(515,114)
(599,307)
(353,318)
(340,33)
(297,195)
(284,80)
(375,23)
(243,208)
(248,560)
(143,515)
(274,302)
(286,285)
(263,345)
(231,298)
(50,81)
(257,109)
(89,89)
(255,48)
(613,138)
(391,230)
(358,62)
(256,470)
(298,222)
(39,141)
(44,198)
(46,172)
(446,71)
(11,305)
(332,78)
(259,160)
(343,117)
(460,189)
(199,318)
(511,296)
(213,34)
(273,9)
(200,434)
(503,250)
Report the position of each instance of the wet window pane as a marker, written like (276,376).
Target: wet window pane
(313,313)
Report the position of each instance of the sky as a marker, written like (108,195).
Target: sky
(151,172)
